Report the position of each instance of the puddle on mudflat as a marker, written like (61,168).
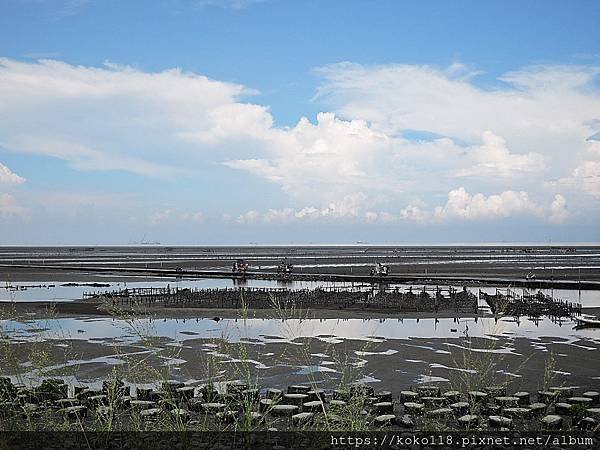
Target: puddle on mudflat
(306,370)
(442,366)
(404,352)
(368,379)
(386,352)
(424,379)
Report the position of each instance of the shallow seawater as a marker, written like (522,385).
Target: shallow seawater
(386,352)
(57,291)
(261,331)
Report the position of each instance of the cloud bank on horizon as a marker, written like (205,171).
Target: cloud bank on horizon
(395,145)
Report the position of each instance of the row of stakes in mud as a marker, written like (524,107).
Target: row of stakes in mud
(300,405)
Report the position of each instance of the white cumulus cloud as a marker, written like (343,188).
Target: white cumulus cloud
(462,205)
(359,157)
(8,176)
(558,210)
(493,158)
(585,177)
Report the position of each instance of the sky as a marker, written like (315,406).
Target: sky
(199,122)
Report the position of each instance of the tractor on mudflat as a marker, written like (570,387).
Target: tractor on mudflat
(285,268)
(240,266)
(380,270)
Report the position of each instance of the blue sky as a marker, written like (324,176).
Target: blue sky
(199,122)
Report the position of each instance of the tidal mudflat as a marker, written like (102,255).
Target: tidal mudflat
(49,334)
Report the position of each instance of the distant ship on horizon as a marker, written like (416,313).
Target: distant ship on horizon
(143,241)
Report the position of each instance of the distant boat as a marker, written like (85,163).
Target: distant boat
(587,321)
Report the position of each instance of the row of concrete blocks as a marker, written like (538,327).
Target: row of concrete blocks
(473,421)
(300,402)
(502,409)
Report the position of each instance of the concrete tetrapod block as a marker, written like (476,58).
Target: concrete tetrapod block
(249,395)
(428,390)
(460,408)
(517,413)
(495,391)
(140,405)
(383,408)
(439,413)
(143,393)
(451,397)
(552,422)
(414,408)
(563,408)
(584,401)
(284,410)
(548,397)
(587,423)
(593,412)
(562,391)
(151,414)
(468,421)
(499,422)
(213,408)
(274,393)
(490,409)
(507,402)
(303,418)
(185,393)
(298,389)
(75,413)
(538,409)
(477,396)
(87,393)
(316,394)
(55,386)
(433,402)
(595,396)
(384,420)
(384,396)
(195,404)
(155,396)
(408,396)
(295,399)
(314,406)
(78,390)
(523,396)
(265,404)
